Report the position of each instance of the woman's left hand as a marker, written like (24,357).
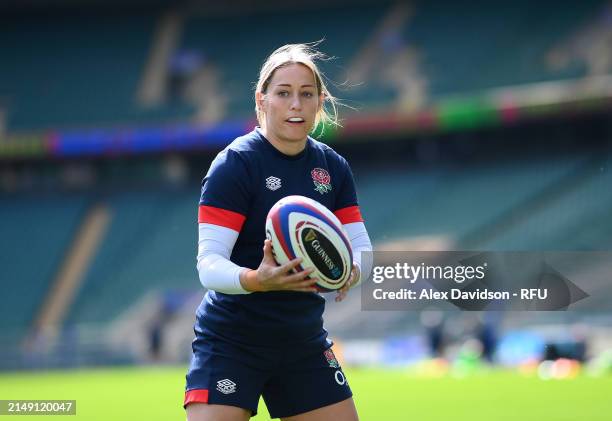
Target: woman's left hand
(345,289)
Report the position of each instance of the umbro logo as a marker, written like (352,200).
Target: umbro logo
(273,183)
(226,386)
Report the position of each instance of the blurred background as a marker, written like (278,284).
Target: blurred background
(469,126)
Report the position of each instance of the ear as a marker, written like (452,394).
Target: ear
(321,100)
(260,100)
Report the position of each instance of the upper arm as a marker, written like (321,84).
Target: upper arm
(347,206)
(225,194)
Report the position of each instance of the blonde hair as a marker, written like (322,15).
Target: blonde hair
(304,54)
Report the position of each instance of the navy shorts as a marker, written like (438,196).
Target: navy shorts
(291,380)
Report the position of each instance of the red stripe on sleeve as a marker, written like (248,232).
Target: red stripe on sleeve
(196,396)
(222,217)
(349,214)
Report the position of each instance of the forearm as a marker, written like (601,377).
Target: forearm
(215,269)
(360,242)
(220,274)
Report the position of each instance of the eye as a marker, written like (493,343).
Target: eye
(308,94)
(283,93)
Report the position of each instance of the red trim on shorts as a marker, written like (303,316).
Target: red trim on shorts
(349,214)
(222,217)
(196,396)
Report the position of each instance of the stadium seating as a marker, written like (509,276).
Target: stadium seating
(88,72)
(454,201)
(458,59)
(72,70)
(151,243)
(576,219)
(36,232)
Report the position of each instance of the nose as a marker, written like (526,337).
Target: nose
(296,103)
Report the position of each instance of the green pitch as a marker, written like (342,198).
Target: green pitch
(156,394)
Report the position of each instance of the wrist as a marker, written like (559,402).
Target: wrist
(249,281)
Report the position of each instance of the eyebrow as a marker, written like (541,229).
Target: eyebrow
(289,85)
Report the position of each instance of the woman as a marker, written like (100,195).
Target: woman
(259,330)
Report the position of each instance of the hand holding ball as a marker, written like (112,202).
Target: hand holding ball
(299,227)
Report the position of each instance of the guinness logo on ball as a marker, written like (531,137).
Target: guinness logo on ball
(322,253)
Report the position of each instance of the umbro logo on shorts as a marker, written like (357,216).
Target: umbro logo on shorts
(226,386)
(273,183)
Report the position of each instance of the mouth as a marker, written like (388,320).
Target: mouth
(295,121)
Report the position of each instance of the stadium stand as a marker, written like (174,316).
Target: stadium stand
(575,219)
(89,72)
(458,59)
(150,244)
(476,194)
(86,73)
(36,231)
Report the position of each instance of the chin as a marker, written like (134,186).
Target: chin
(295,136)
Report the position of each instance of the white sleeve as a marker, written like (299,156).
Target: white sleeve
(216,271)
(360,241)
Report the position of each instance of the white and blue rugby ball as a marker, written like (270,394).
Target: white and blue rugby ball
(302,227)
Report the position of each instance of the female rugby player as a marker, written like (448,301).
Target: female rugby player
(259,330)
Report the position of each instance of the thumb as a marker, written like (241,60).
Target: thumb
(267,249)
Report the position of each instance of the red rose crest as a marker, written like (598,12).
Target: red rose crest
(322,180)
(331,358)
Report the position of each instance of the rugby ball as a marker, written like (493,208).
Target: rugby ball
(301,227)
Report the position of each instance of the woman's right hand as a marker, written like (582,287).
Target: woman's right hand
(271,277)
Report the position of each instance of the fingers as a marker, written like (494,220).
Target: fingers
(300,281)
(269,258)
(342,292)
(299,276)
(289,266)
(267,249)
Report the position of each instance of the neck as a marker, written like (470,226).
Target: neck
(290,148)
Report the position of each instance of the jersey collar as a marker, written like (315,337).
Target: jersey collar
(303,153)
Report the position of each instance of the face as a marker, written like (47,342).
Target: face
(290,104)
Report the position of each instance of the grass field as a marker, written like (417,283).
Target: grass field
(156,394)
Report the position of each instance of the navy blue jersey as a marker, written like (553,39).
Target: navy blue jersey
(244,181)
